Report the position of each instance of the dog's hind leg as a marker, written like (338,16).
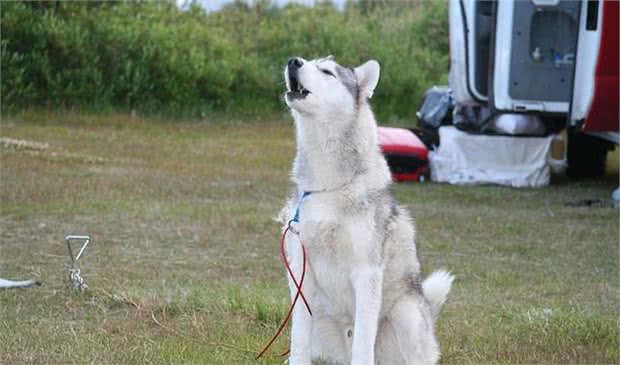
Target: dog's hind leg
(331,340)
(406,335)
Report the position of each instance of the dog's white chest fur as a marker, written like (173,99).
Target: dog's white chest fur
(330,249)
(333,276)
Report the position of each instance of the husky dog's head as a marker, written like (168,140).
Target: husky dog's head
(323,89)
(336,130)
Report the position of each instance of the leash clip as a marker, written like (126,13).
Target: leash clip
(292,228)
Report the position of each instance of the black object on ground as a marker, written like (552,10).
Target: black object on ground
(591,203)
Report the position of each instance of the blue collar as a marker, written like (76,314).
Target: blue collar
(296,215)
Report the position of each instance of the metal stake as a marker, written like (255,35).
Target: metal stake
(75,278)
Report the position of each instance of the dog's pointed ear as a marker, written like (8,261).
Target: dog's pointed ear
(368,77)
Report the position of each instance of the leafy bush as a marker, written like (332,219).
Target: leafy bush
(154,58)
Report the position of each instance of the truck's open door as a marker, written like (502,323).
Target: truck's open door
(534,55)
(470,41)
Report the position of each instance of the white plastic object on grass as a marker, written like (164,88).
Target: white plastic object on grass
(616,197)
(8,284)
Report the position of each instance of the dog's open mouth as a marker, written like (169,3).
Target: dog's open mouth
(296,89)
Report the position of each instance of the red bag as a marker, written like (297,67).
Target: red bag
(406,154)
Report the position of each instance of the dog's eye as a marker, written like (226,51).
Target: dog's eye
(328,72)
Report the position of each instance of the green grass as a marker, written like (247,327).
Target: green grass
(183,266)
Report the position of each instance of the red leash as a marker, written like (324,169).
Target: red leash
(297,285)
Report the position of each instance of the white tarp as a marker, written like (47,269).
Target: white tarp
(464,158)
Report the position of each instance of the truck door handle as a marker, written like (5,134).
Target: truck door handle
(592,15)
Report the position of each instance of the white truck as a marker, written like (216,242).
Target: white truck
(554,58)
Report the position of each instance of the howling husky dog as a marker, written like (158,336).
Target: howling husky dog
(363,282)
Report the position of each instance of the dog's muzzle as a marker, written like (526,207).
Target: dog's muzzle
(296,89)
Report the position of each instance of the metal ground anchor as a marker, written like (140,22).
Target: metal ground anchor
(76,280)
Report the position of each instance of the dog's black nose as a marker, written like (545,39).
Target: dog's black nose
(294,63)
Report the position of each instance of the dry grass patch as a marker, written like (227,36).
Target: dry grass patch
(183,265)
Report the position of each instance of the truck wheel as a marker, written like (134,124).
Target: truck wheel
(586,155)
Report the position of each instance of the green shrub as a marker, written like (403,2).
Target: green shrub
(154,58)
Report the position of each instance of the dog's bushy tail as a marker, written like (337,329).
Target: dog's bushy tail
(436,288)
